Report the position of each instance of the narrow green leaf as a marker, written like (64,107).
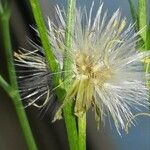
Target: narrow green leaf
(148,38)
(142,19)
(133,13)
(147,64)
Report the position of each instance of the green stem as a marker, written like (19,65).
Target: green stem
(12,89)
(82,132)
(70,122)
(54,67)
(68,39)
(4,20)
(6,86)
(70,119)
(20,112)
(52,63)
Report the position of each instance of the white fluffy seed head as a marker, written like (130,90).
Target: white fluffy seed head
(106,64)
(108,70)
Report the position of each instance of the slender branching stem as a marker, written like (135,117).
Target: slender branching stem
(12,89)
(8,89)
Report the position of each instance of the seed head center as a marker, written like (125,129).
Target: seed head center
(88,67)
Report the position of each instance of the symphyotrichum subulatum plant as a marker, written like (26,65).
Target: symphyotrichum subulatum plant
(108,72)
